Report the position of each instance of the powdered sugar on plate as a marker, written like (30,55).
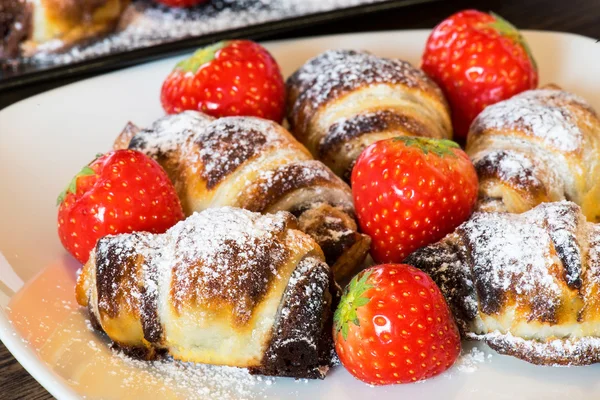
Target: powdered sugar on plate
(199,380)
(147,23)
(470,360)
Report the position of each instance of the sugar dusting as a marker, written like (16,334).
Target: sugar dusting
(228,142)
(501,262)
(220,253)
(512,166)
(469,361)
(146,23)
(511,254)
(199,380)
(170,132)
(538,112)
(579,350)
(338,71)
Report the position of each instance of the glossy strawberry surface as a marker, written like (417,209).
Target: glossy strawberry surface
(393,326)
(237,77)
(478,59)
(410,192)
(119,192)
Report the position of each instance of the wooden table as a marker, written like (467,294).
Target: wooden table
(577,16)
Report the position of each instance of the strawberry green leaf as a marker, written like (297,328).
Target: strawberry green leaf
(200,57)
(352,298)
(508,30)
(361,301)
(72,187)
(439,147)
(345,331)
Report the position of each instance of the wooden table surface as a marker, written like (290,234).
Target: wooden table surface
(576,16)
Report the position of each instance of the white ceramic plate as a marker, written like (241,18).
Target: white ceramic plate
(44,140)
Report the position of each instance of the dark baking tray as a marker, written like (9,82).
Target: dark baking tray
(27,73)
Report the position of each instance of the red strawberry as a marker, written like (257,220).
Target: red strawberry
(478,59)
(181,3)
(393,326)
(410,192)
(236,77)
(119,192)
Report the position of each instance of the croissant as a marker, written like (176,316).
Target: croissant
(527,284)
(343,100)
(28,25)
(225,287)
(539,146)
(257,165)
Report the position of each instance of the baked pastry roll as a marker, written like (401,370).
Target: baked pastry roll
(343,100)
(257,165)
(25,25)
(539,146)
(526,284)
(225,287)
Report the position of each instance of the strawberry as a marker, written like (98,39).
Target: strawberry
(119,192)
(393,326)
(236,77)
(410,192)
(181,3)
(478,59)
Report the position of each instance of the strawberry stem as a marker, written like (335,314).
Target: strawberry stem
(351,300)
(200,57)
(439,147)
(507,29)
(72,187)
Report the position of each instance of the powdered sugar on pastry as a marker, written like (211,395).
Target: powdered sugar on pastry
(562,352)
(539,113)
(339,71)
(508,255)
(532,276)
(169,133)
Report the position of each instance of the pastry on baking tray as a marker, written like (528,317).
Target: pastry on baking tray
(226,286)
(25,25)
(257,165)
(343,100)
(527,284)
(539,146)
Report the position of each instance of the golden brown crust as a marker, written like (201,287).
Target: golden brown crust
(249,163)
(342,100)
(336,233)
(226,286)
(270,187)
(527,284)
(538,146)
(251,284)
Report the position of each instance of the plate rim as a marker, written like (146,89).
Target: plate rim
(12,340)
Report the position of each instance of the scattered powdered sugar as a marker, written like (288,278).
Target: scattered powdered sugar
(337,71)
(221,254)
(198,380)
(512,166)
(234,254)
(541,113)
(564,352)
(169,133)
(509,253)
(146,23)
(306,171)
(469,361)
(228,142)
